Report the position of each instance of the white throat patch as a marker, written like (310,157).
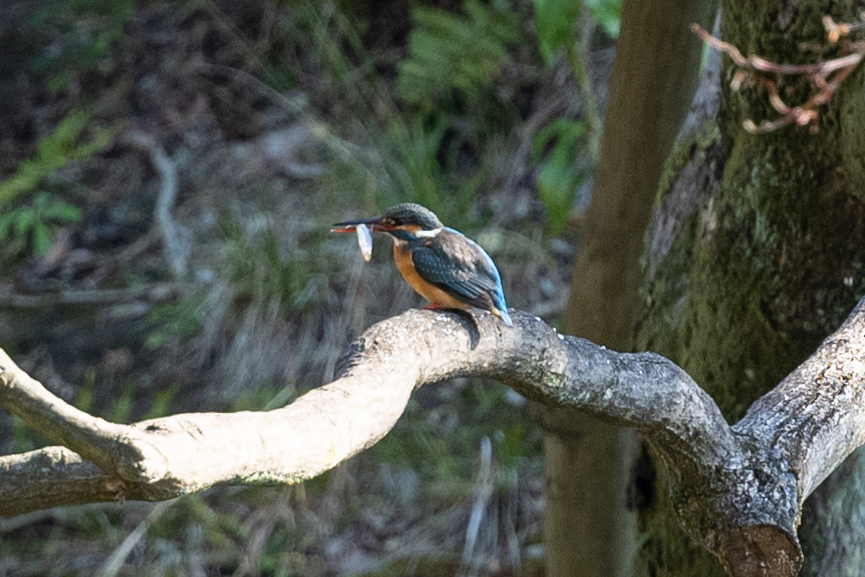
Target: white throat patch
(428,233)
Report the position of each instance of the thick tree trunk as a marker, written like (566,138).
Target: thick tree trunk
(588,529)
(832,523)
(756,252)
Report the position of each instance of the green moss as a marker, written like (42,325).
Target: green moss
(775,31)
(770,263)
(753,282)
(683,153)
(764,285)
(852,134)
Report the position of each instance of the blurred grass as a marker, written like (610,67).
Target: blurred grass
(275,298)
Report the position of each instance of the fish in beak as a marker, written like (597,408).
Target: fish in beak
(364,229)
(374,224)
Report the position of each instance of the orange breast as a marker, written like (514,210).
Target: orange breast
(430,292)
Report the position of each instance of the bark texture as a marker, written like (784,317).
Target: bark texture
(832,522)
(756,247)
(737,490)
(588,527)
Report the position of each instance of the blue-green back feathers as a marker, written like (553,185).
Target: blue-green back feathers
(461,268)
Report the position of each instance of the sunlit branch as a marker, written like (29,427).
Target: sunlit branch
(738,490)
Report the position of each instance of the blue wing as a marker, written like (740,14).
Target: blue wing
(461,268)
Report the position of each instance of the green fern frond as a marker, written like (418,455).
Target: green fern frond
(450,51)
(53,152)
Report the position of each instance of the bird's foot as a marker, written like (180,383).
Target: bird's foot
(433,307)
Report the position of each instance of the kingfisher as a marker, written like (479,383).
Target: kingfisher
(440,263)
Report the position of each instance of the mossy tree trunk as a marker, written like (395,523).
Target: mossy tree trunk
(756,253)
(589,531)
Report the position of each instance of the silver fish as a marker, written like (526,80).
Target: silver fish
(364,241)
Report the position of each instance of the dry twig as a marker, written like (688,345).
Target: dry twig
(176,238)
(825,76)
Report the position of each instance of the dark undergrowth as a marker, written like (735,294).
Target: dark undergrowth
(278,119)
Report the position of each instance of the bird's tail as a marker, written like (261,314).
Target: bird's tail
(500,308)
(503,314)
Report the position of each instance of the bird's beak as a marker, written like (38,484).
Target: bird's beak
(374,225)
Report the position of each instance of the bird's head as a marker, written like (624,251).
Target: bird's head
(406,221)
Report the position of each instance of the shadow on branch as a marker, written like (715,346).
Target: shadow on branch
(738,490)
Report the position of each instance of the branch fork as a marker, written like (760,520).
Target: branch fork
(738,490)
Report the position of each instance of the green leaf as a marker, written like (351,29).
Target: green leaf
(25,219)
(6,226)
(556,21)
(40,203)
(557,187)
(100,140)
(607,13)
(42,239)
(58,82)
(55,151)
(26,178)
(564,131)
(453,51)
(84,399)
(61,211)
(162,403)
(122,410)
(558,178)
(33,226)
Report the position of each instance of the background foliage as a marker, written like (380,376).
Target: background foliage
(278,119)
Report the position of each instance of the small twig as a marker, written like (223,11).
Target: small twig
(115,562)
(175,237)
(761,64)
(837,31)
(825,76)
(483,493)
(156,292)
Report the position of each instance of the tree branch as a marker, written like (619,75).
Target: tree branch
(738,490)
(176,242)
(155,292)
